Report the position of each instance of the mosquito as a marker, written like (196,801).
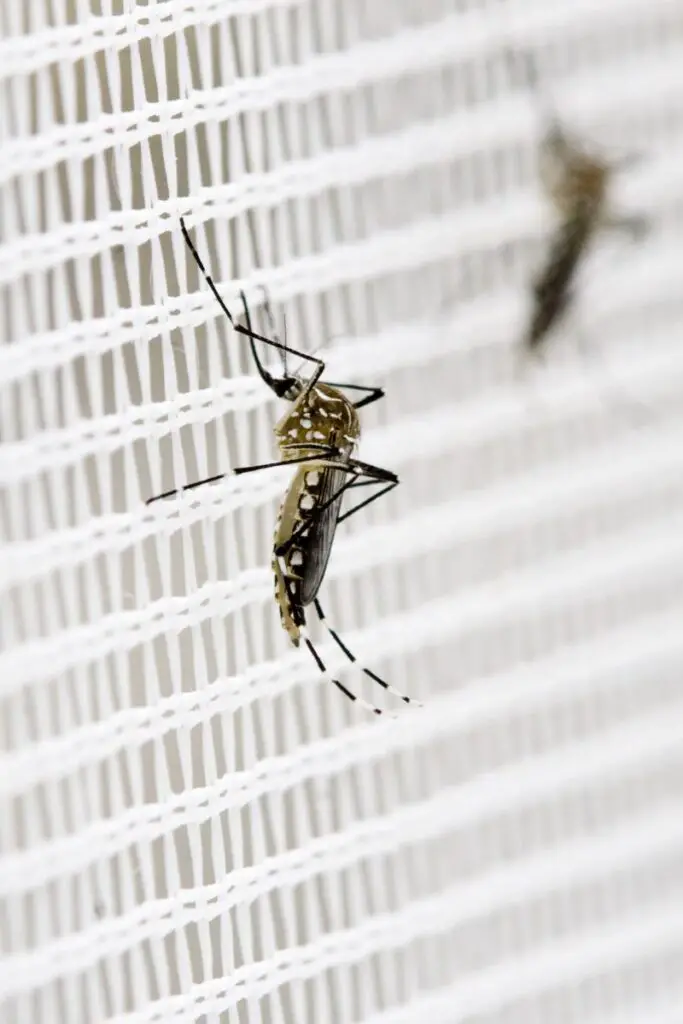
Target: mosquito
(577,183)
(319,435)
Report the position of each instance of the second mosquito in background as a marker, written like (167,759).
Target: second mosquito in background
(319,436)
(577,182)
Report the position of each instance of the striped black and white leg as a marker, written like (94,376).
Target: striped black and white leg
(352,658)
(321,664)
(340,686)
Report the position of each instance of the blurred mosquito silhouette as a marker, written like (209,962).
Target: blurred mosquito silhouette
(577,183)
(318,435)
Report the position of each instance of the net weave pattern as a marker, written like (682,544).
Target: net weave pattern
(195,826)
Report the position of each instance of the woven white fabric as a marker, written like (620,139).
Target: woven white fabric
(196,826)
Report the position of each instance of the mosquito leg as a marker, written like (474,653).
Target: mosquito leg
(238,472)
(241,329)
(368,501)
(247,331)
(373,472)
(272,326)
(269,313)
(283,348)
(367,475)
(187,487)
(283,548)
(357,470)
(368,672)
(323,450)
(250,333)
(373,394)
(205,274)
(340,686)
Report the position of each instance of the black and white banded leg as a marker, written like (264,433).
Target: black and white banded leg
(372,394)
(340,686)
(324,450)
(366,671)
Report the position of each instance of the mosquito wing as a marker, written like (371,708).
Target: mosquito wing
(320,537)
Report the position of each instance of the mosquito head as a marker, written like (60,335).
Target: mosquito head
(288,387)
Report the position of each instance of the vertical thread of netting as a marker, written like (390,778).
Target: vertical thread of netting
(195,826)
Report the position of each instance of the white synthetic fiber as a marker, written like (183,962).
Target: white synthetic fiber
(195,826)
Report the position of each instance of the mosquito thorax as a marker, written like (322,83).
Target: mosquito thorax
(571,175)
(321,416)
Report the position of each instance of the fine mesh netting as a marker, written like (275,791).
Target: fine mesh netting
(195,825)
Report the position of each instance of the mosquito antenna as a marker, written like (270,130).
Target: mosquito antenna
(272,326)
(285,349)
(266,375)
(298,369)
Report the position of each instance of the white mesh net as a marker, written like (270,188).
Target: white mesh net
(195,825)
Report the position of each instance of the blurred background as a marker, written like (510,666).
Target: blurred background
(195,826)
